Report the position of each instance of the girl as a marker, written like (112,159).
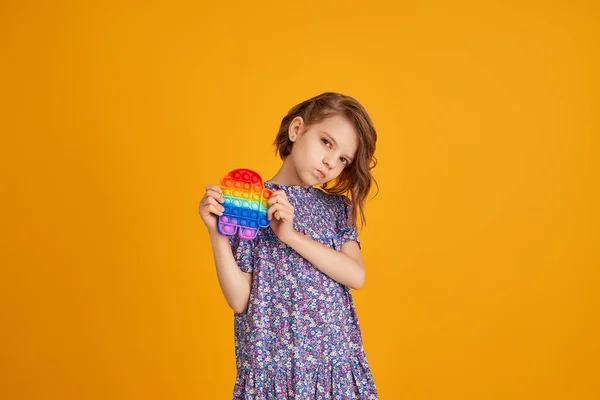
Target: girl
(297,334)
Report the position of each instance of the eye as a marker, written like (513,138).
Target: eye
(326,142)
(344,161)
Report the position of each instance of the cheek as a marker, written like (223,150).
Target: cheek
(303,156)
(309,152)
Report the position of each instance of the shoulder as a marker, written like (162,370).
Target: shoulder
(339,205)
(339,201)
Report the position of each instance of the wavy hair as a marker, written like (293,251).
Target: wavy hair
(355,181)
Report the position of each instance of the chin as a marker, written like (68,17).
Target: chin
(308,180)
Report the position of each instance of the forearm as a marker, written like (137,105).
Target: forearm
(335,264)
(235,284)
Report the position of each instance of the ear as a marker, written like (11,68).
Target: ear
(296,128)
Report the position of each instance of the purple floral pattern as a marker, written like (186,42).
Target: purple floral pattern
(299,337)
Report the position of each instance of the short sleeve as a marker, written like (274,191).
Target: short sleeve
(347,227)
(243,253)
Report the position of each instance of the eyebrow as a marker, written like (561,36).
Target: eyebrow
(335,143)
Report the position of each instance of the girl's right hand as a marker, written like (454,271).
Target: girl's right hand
(210,207)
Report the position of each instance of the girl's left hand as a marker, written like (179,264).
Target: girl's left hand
(281,215)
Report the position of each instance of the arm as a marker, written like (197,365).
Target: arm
(235,283)
(346,266)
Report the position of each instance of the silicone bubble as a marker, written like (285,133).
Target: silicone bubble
(245,204)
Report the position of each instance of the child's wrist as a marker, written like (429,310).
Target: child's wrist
(293,238)
(217,237)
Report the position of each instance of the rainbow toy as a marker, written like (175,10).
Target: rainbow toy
(245,204)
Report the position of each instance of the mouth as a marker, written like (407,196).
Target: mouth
(321,173)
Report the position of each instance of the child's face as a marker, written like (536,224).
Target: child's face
(321,152)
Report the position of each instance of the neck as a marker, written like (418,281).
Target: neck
(287,175)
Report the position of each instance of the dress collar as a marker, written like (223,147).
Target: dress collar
(289,189)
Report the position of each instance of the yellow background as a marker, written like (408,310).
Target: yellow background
(481,247)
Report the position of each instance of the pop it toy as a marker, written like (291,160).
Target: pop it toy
(245,204)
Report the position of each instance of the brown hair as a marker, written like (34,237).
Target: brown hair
(355,180)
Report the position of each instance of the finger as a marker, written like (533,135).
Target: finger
(286,207)
(282,216)
(207,199)
(279,197)
(283,199)
(214,210)
(214,202)
(210,209)
(273,199)
(285,216)
(214,187)
(217,195)
(273,209)
(280,212)
(270,211)
(283,194)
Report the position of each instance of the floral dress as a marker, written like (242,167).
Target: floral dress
(299,337)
